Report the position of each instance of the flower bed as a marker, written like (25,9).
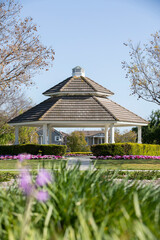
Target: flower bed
(125,157)
(30,156)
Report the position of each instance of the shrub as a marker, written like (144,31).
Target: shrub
(135,175)
(33,149)
(58,150)
(7,176)
(141,175)
(125,149)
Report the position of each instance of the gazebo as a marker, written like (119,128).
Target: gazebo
(75,102)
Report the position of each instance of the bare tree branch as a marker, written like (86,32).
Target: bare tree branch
(144,69)
(21,52)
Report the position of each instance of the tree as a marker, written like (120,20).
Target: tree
(21,52)
(126,136)
(76,142)
(26,135)
(151,133)
(6,131)
(143,70)
(12,104)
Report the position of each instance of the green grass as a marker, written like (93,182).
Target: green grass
(133,164)
(140,164)
(83,206)
(34,163)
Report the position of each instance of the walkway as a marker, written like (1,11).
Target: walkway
(84,161)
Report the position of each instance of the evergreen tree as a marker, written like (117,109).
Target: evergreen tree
(151,133)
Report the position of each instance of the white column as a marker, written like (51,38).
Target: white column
(139,134)
(93,140)
(16,135)
(45,137)
(49,134)
(112,133)
(106,134)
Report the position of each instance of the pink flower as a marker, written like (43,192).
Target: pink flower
(22,157)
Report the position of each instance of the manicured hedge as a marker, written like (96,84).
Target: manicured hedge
(52,149)
(121,149)
(34,149)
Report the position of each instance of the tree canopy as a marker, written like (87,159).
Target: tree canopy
(151,133)
(143,70)
(126,136)
(21,56)
(76,142)
(21,52)
(12,104)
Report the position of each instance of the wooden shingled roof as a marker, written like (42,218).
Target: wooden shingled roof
(78,108)
(78,99)
(77,84)
(36,112)
(120,113)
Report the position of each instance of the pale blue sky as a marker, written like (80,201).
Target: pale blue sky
(91,33)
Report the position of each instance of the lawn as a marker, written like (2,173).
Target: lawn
(140,164)
(32,164)
(133,164)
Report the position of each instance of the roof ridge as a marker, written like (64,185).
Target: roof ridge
(58,84)
(31,109)
(69,80)
(85,79)
(127,109)
(98,84)
(105,107)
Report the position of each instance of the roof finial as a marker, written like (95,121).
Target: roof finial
(78,71)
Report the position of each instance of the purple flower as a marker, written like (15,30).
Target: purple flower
(43,177)
(26,182)
(42,196)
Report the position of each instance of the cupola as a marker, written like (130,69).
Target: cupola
(78,71)
(78,84)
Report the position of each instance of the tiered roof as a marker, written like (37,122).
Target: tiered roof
(78,108)
(74,85)
(78,99)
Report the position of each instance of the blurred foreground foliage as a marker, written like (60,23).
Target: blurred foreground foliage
(84,205)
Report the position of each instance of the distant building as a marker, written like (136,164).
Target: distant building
(57,137)
(94,137)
